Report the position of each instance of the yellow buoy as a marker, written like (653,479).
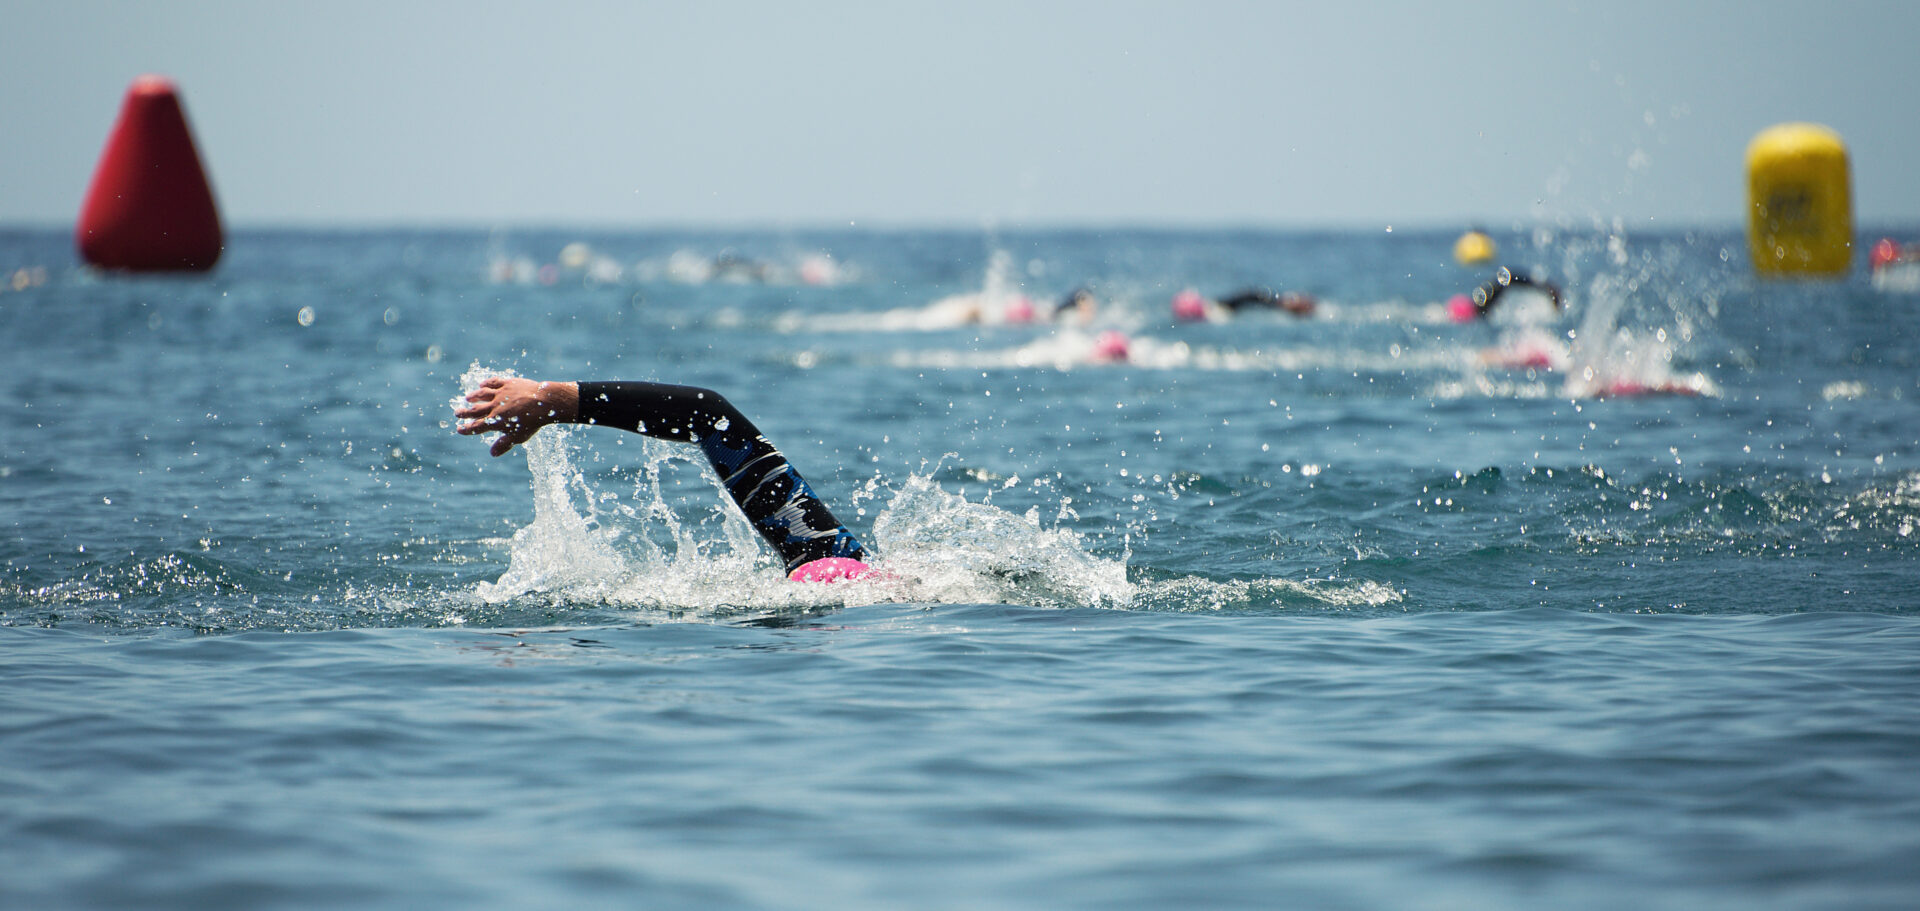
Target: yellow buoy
(1799,201)
(1473,248)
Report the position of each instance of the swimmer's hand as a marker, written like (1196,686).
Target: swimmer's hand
(517,408)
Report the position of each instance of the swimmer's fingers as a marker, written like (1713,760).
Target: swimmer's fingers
(486,424)
(498,397)
(510,439)
(513,431)
(485,417)
(516,408)
(479,403)
(487,391)
(488,419)
(484,414)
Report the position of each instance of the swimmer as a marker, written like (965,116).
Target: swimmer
(1290,301)
(1079,303)
(730,266)
(1888,252)
(994,306)
(778,503)
(1896,266)
(972,308)
(1461,308)
(1189,306)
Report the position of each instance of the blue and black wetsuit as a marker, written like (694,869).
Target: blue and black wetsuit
(775,499)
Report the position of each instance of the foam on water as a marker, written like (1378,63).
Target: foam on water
(640,551)
(945,548)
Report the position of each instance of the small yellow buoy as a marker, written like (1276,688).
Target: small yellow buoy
(1799,201)
(1473,248)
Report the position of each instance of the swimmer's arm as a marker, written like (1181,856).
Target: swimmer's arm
(517,408)
(1552,290)
(1247,297)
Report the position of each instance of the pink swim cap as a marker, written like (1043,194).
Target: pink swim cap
(1533,357)
(1110,346)
(1884,252)
(1189,305)
(830,569)
(1460,309)
(1020,310)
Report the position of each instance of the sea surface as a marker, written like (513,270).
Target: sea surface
(1611,607)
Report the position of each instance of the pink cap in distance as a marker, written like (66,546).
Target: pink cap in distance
(1884,252)
(1189,305)
(1460,309)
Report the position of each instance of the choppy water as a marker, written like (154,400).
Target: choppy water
(1332,612)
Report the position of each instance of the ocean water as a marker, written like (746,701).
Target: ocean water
(1612,607)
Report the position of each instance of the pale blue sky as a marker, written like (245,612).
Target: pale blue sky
(1024,112)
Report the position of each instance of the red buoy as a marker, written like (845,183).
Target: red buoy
(150,208)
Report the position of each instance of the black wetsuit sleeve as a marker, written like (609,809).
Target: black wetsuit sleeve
(1485,296)
(1248,297)
(679,413)
(772,495)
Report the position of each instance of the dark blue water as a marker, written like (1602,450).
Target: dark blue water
(1614,607)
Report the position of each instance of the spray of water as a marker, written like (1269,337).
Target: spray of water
(680,546)
(1610,356)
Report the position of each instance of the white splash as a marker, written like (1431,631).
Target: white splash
(675,541)
(1607,359)
(944,548)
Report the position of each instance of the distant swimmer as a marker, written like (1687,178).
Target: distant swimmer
(1462,308)
(971,308)
(1110,347)
(1079,304)
(1190,306)
(730,266)
(1289,301)
(995,306)
(1889,252)
(814,545)
(1896,266)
